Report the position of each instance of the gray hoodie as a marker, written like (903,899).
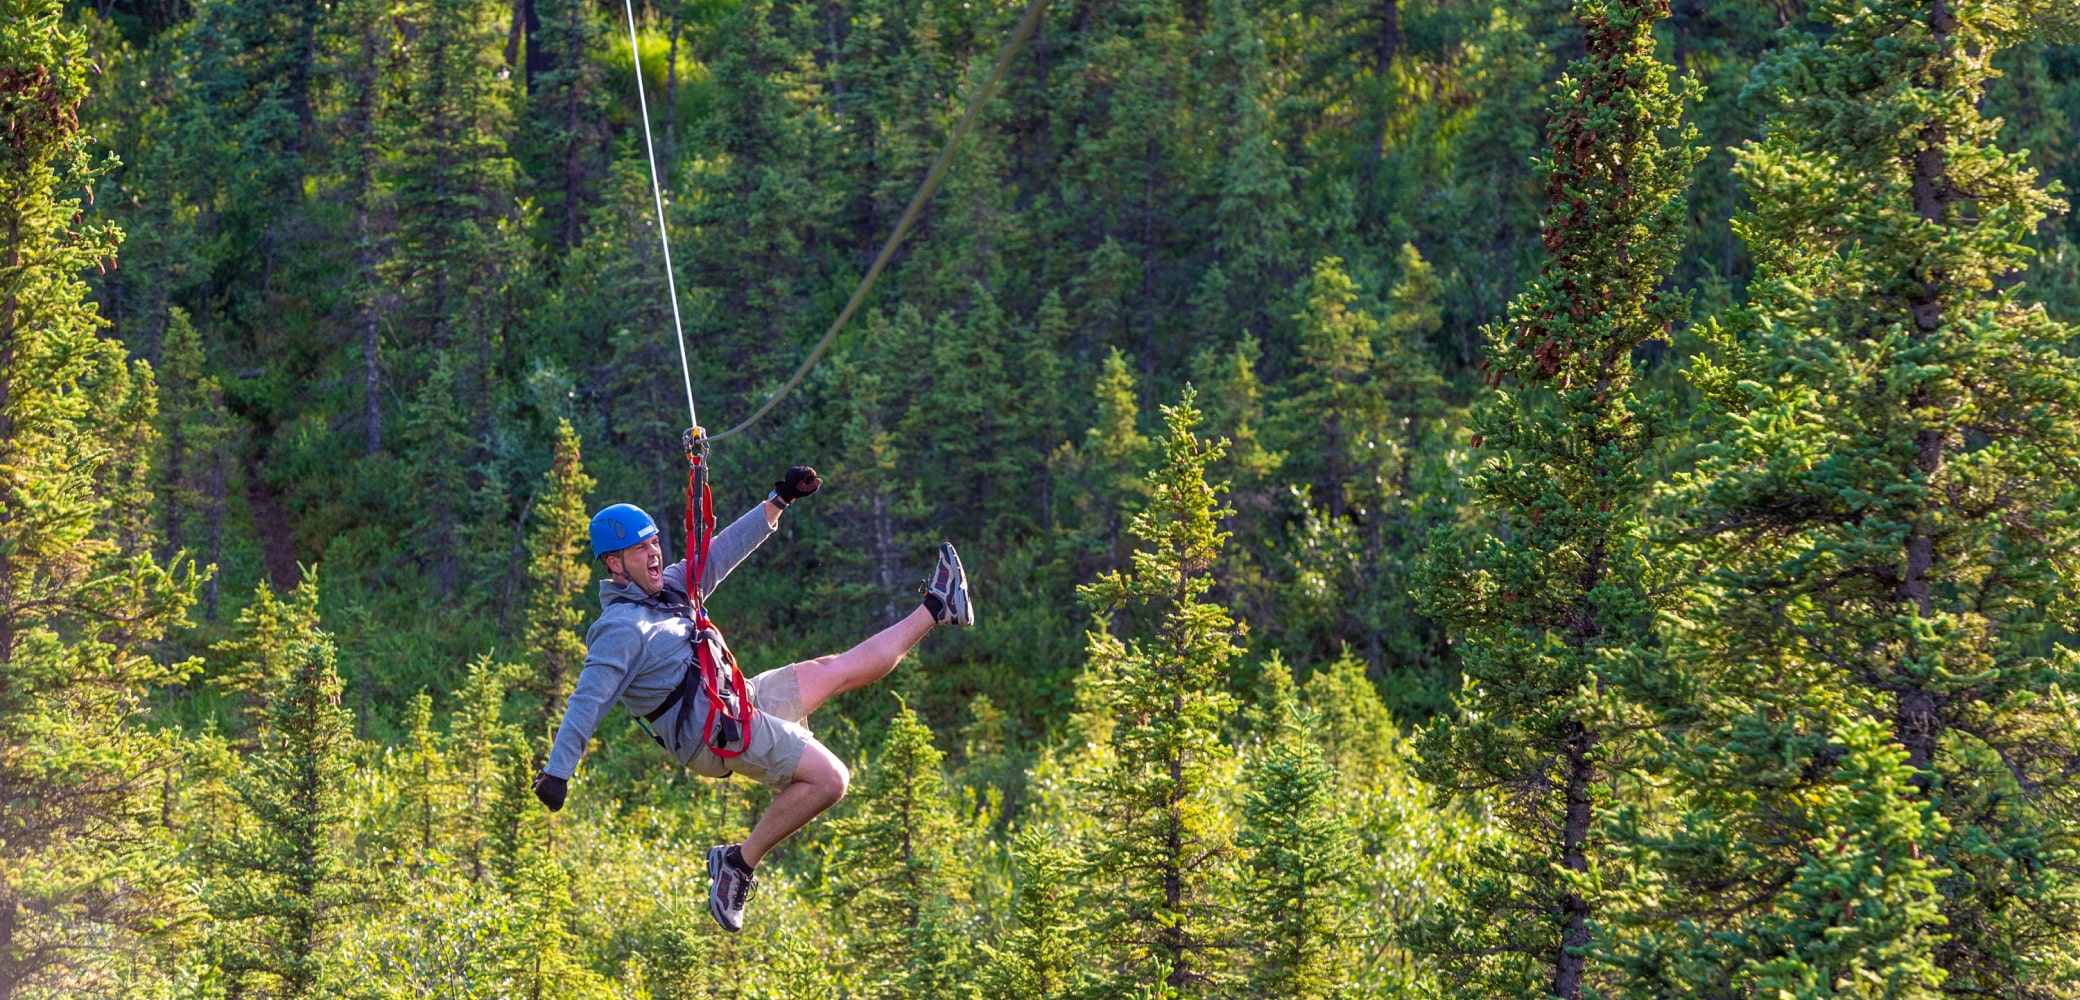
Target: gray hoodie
(635,654)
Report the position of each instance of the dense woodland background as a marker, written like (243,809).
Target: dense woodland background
(1639,561)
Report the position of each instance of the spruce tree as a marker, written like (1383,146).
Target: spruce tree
(1353,427)
(261,651)
(512,818)
(284,878)
(558,571)
(437,436)
(538,959)
(81,611)
(1877,521)
(1106,469)
(478,736)
(1040,956)
(1303,863)
(896,871)
(567,113)
(451,178)
(1164,850)
(1552,610)
(196,435)
(420,773)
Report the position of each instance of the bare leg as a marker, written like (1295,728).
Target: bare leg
(820,779)
(861,665)
(819,782)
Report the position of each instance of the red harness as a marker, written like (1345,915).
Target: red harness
(730,704)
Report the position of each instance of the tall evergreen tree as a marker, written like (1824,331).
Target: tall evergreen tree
(1040,956)
(436,432)
(567,113)
(196,437)
(451,176)
(475,750)
(1165,849)
(1302,863)
(1880,515)
(1363,400)
(284,878)
(262,649)
(80,612)
(1553,608)
(896,870)
(557,572)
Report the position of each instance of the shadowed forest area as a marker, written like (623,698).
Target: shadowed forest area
(1495,498)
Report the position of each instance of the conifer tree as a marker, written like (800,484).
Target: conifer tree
(1360,404)
(1165,850)
(1552,610)
(196,437)
(421,769)
(567,113)
(284,877)
(538,959)
(84,877)
(475,750)
(1302,864)
(261,651)
(1108,466)
(1876,525)
(512,816)
(760,214)
(557,572)
(436,434)
(1256,215)
(1356,731)
(1039,957)
(896,869)
(452,180)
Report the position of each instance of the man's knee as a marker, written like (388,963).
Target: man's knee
(825,772)
(843,784)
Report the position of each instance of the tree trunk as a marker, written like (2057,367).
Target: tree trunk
(1571,961)
(1917,719)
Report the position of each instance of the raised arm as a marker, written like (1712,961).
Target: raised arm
(606,676)
(735,543)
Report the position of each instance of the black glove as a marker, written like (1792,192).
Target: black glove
(551,789)
(799,482)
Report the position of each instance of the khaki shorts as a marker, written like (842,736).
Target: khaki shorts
(778,733)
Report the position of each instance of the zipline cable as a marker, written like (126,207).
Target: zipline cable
(1027,24)
(635,58)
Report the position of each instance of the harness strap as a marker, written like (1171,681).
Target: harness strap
(711,660)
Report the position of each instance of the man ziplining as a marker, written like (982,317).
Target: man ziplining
(646,652)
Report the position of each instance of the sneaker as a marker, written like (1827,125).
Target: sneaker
(729,890)
(946,593)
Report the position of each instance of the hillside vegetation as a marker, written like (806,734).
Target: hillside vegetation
(1497,498)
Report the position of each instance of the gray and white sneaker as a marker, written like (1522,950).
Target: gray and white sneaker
(946,593)
(729,889)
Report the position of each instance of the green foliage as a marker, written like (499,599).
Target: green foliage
(558,569)
(896,873)
(283,878)
(262,650)
(82,600)
(196,436)
(391,262)
(1554,606)
(1875,524)
(1302,863)
(1039,956)
(1166,847)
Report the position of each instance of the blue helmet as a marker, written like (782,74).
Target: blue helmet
(619,527)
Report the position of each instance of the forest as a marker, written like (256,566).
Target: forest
(1487,498)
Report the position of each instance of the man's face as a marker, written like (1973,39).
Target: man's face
(641,564)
